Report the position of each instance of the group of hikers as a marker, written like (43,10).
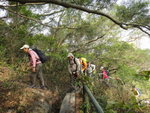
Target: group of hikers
(76,67)
(80,66)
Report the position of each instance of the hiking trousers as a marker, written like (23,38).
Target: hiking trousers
(37,75)
(73,78)
(89,74)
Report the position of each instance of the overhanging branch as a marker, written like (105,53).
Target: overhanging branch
(55,12)
(70,5)
(14,5)
(144,31)
(35,20)
(88,42)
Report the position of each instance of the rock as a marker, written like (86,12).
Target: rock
(41,107)
(42,103)
(68,104)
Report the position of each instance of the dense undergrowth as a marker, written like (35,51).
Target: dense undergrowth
(67,30)
(116,97)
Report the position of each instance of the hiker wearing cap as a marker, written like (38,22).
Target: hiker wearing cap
(74,67)
(36,67)
(104,74)
(90,69)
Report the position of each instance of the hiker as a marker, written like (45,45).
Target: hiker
(136,91)
(90,69)
(74,68)
(35,66)
(83,63)
(104,74)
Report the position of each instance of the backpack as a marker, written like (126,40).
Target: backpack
(107,71)
(139,91)
(41,55)
(84,60)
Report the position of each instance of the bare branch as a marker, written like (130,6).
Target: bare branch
(69,5)
(88,42)
(55,12)
(35,20)
(138,25)
(143,31)
(94,40)
(14,5)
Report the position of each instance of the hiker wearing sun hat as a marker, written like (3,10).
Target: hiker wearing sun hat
(35,65)
(74,68)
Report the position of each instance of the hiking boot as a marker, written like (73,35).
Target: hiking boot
(32,86)
(70,90)
(43,87)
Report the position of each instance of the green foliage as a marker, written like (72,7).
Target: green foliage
(125,72)
(145,74)
(135,12)
(76,31)
(131,106)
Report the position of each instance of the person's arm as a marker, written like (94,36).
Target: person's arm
(93,67)
(33,58)
(69,69)
(78,65)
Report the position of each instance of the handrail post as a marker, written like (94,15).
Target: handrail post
(84,101)
(93,100)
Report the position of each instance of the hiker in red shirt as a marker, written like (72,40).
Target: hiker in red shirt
(104,74)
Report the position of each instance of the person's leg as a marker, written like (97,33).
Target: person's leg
(84,72)
(73,80)
(33,79)
(40,75)
(107,81)
(90,74)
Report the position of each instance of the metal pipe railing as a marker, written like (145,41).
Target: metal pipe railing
(93,100)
